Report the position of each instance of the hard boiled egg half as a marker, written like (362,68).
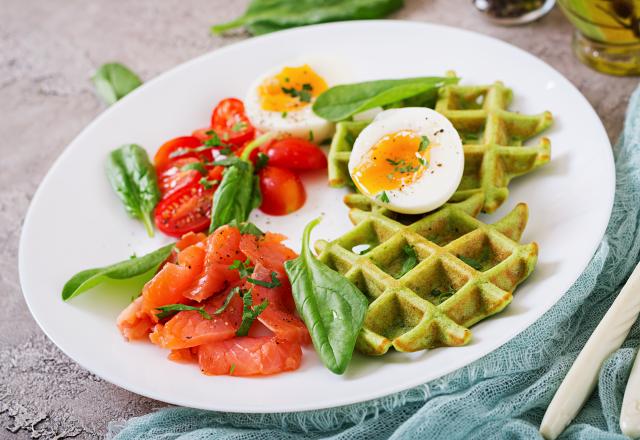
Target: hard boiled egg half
(409,160)
(281,100)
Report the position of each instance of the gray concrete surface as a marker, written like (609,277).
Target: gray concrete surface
(48,49)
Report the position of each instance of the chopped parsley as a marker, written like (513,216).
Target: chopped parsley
(424,162)
(442,295)
(424,144)
(383,197)
(214,140)
(227,300)
(239,126)
(232,369)
(172,309)
(284,114)
(262,161)
(243,267)
(197,166)
(471,262)
(304,94)
(208,184)
(249,313)
(395,163)
(275,282)
(310,135)
(410,261)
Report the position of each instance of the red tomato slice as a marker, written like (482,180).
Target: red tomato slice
(166,153)
(282,191)
(173,178)
(295,154)
(231,123)
(185,210)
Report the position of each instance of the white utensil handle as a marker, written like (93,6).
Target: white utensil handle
(583,375)
(630,414)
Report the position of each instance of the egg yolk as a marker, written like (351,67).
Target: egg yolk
(291,89)
(395,161)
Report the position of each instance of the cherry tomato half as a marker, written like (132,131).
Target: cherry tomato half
(295,154)
(167,152)
(231,123)
(282,191)
(173,178)
(185,210)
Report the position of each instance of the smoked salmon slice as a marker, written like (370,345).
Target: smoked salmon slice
(134,322)
(189,328)
(247,356)
(278,317)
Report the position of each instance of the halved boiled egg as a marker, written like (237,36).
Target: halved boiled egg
(409,160)
(281,101)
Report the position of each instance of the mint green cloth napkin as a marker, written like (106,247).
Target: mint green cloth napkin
(501,396)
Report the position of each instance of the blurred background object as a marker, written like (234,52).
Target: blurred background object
(607,34)
(513,12)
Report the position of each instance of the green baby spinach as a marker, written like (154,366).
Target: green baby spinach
(332,307)
(239,190)
(129,268)
(134,180)
(264,16)
(343,101)
(113,81)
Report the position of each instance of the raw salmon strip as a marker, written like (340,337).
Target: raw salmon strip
(267,250)
(134,322)
(247,356)
(278,317)
(221,250)
(190,328)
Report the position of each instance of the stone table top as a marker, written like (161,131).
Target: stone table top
(47,52)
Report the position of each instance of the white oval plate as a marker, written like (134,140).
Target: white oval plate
(75,221)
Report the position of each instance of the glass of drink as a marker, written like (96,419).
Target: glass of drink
(607,36)
(513,12)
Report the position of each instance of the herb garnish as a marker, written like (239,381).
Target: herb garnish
(410,261)
(197,166)
(424,144)
(384,198)
(243,267)
(275,282)
(249,313)
(232,368)
(208,184)
(424,162)
(441,296)
(246,228)
(284,114)
(172,309)
(227,300)
(304,94)
(238,126)
(310,135)
(262,161)
(471,262)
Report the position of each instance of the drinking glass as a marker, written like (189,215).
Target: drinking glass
(607,35)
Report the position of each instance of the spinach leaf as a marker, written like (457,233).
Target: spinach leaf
(129,268)
(343,101)
(172,309)
(263,16)
(249,313)
(113,81)
(410,261)
(239,190)
(332,307)
(134,180)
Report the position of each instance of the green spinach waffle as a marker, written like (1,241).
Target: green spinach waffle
(460,271)
(492,138)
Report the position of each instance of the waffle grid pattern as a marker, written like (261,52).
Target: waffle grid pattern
(466,271)
(492,136)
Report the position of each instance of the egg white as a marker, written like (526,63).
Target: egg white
(446,165)
(298,123)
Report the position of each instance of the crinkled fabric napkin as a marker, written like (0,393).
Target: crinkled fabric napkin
(504,394)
